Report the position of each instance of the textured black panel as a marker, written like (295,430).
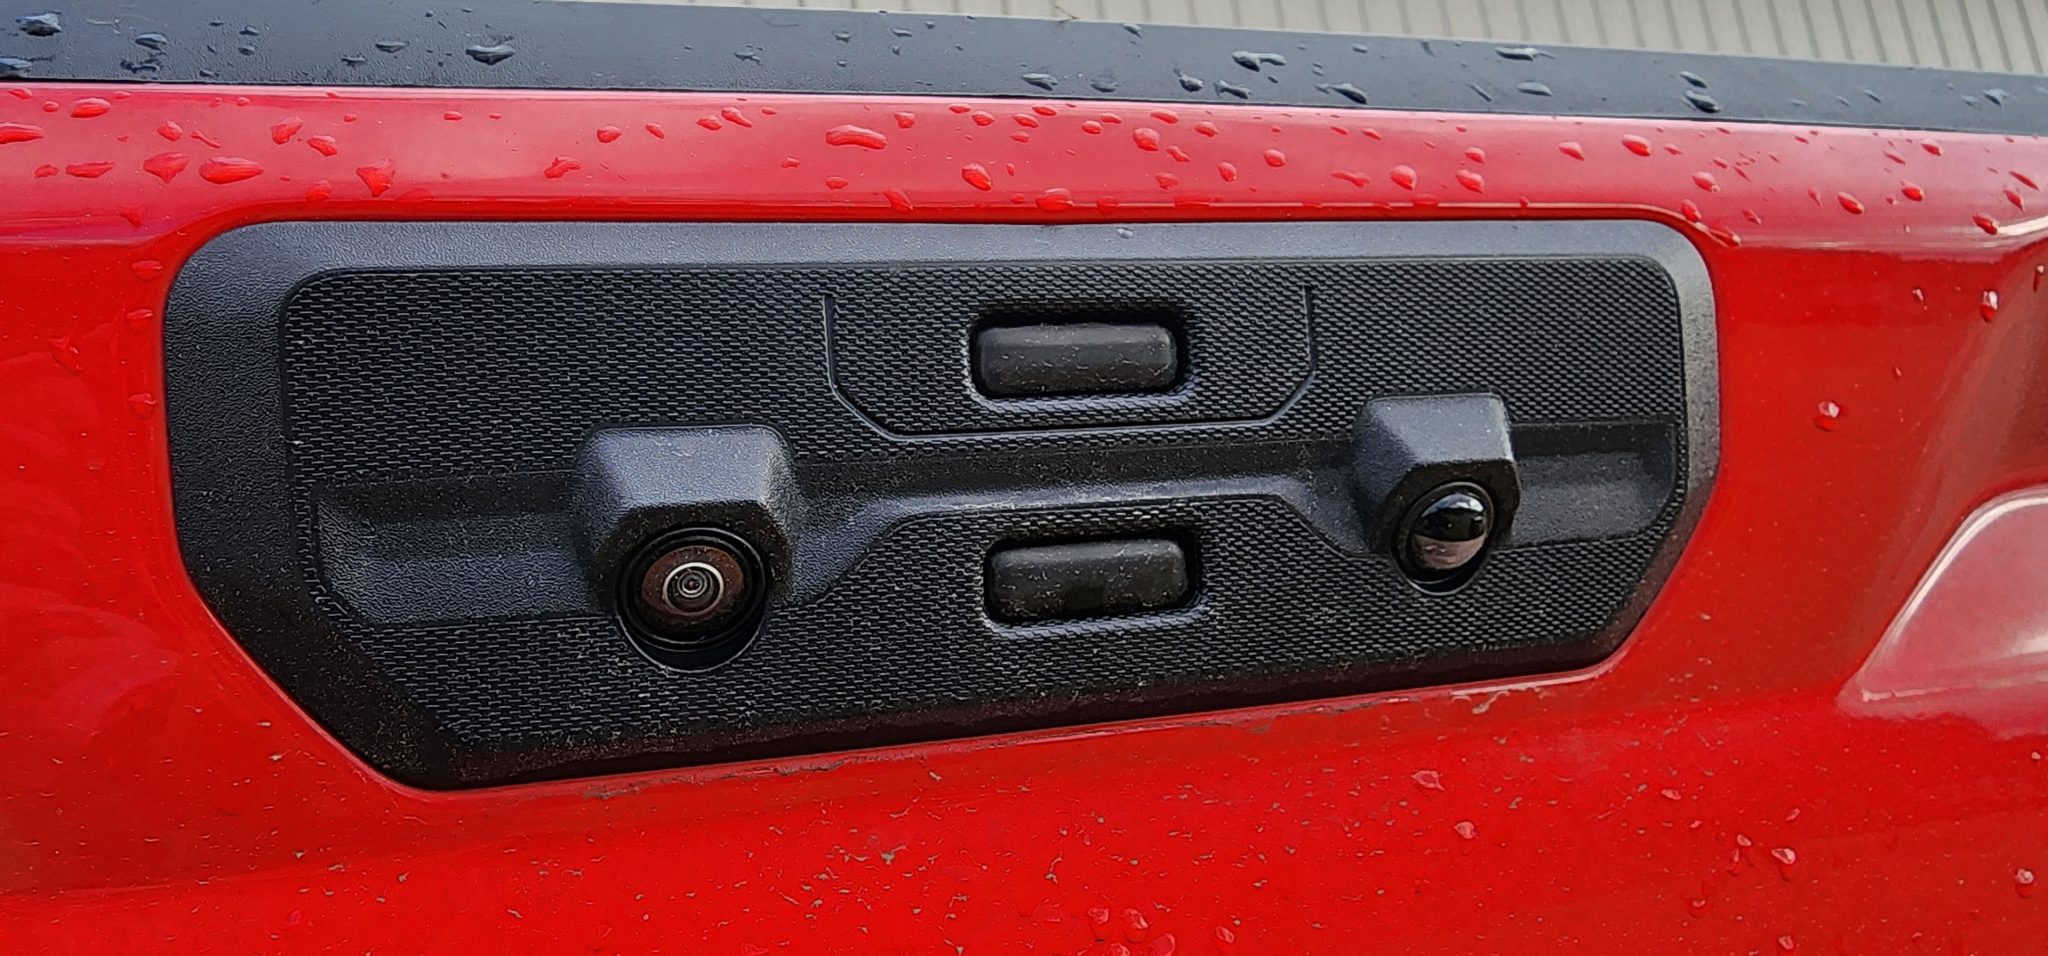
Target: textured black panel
(426,405)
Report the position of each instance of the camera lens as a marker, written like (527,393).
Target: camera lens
(1444,536)
(693,589)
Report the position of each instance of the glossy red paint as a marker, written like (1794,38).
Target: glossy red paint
(1704,791)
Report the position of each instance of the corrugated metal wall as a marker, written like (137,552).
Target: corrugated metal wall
(2002,35)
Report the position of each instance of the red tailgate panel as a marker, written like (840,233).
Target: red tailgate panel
(1712,788)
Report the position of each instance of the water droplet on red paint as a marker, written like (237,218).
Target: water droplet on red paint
(201,136)
(1021,136)
(1988,305)
(1706,181)
(1476,155)
(655,130)
(318,192)
(1010,168)
(1355,179)
(1636,144)
(140,318)
(147,268)
(241,101)
(1147,138)
(977,176)
(1785,855)
(958,107)
(19,93)
(222,170)
(906,120)
(1689,210)
(1751,215)
(133,214)
(560,167)
(2023,882)
(1025,119)
(1933,148)
(50,106)
(1403,176)
(284,130)
(142,404)
(1850,203)
(1471,180)
(1829,417)
(45,171)
(1913,192)
(2013,196)
(88,170)
(1098,922)
(1166,180)
(1206,128)
(1056,199)
(898,200)
(1571,149)
(733,115)
(1919,294)
(2040,272)
(171,131)
(1111,118)
(1985,223)
(1275,158)
(90,107)
(1135,926)
(1428,779)
(19,133)
(452,116)
(377,176)
(982,118)
(2025,180)
(1466,829)
(1787,943)
(66,353)
(1091,127)
(609,134)
(1673,149)
(710,122)
(1179,155)
(1228,171)
(851,135)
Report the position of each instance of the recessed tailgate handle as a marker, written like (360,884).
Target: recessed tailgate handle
(1087,579)
(1075,358)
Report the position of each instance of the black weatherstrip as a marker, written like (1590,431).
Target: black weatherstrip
(544,44)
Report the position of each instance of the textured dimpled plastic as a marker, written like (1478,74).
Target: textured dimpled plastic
(496,376)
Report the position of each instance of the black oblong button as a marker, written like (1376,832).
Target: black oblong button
(1088,579)
(1075,358)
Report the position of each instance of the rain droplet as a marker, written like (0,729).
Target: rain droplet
(2023,882)
(710,122)
(222,170)
(1933,148)
(1091,127)
(88,170)
(609,134)
(1346,90)
(1466,829)
(1147,138)
(1533,88)
(2013,196)
(906,120)
(1850,203)
(13,68)
(982,117)
(1189,83)
(489,55)
(1572,149)
(733,115)
(146,268)
(1021,136)
(1787,943)
(977,176)
(1355,179)
(1025,120)
(1471,180)
(40,25)
(897,200)
(166,166)
(1179,155)
(835,182)
(377,176)
(19,133)
(2025,180)
(1166,180)
(1428,779)
(749,54)
(390,46)
(1913,192)
(1475,154)
(1524,53)
(1988,305)
(1705,180)
(561,166)
(1986,223)
(1044,81)
(282,132)
(45,171)
(1228,171)
(1636,144)
(1275,158)
(318,192)
(90,107)
(1206,128)
(1403,176)
(1241,92)
(1253,61)
(1828,419)
(1689,209)
(1056,199)
(851,135)
(655,130)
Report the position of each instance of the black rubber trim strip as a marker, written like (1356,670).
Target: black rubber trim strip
(547,44)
